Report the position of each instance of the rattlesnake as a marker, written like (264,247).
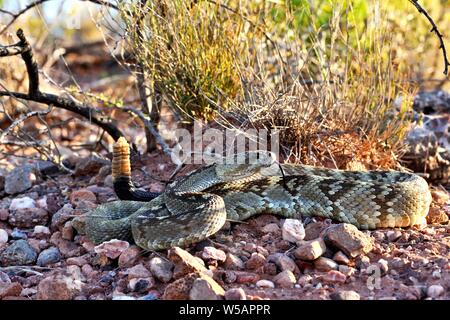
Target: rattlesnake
(197,205)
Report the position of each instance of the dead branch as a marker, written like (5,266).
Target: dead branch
(436,31)
(35,95)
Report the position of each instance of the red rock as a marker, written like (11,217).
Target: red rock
(129,256)
(10,289)
(285,279)
(341,258)
(58,288)
(28,217)
(77,261)
(233,262)
(325,264)
(335,277)
(313,230)
(82,195)
(67,231)
(112,248)
(256,261)
(310,250)
(246,277)
(138,271)
(184,262)
(4,214)
(349,239)
(211,253)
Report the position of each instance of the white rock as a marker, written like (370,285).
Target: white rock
(41,230)
(3,236)
(22,203)
(42,203)
(112,248)
(292,230)
(265,284)
(435,291)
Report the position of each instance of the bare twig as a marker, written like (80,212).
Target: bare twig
(436,31)
(34,94)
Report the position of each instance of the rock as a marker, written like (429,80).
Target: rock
(129,257)
(233,262)
(3,236)
(61,216)
(184,262)
(112,248)
(292,230)
(58,287)
(10,289)
(435,291)
(346,270)
(310,250)
(305,280)
(265,284)
(345,295)
(18,254)
(271,228)
(313,230)
(28,217)
(46,168)
(77,261)
(4,214)
(27,292)
(235,294)
(283,262)
(285,279)
(440,196)
(257,260)
(82,195)
(19,179)
(325,264)
(335,277)
(378,235)
(138,271)
(67,231)
(161,269)
(211,253)
(22,203)
(90,165)
(41,231)
(383,265)
(349,239)
(246,277)
(341,258)
(202,289)
(17,234)
(48,256)
(180,289)
(229,276)
(141,284)
(393,235)
(437,215)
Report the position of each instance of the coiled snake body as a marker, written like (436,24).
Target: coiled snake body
(197,205)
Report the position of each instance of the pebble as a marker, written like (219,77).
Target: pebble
(28,217)
(305,280)
(313,230)
(384,266)
(77,261)
(138,271)
(285,279)
(246,277)
(4,214)
(12,289)
(41,231)
(235,294)
(211,253)
(129,256)
(292,230)
(19,179)
(22,203)
(18,254)
(393,235)
(310,250)
(233,262)
(17,234)
(141,284)
(348,271)
(161,269)
(3,236)
(181,289)
(283,262)
(112,248)
(61,216)
(67,231)
(82,195)
(202,289)
(325,264)
(378,235)
(257,260)
(341,258)
(440,196)
(271,228)
(48,256)
(335,276)
(58,288)
(184,262)
(265,284)
(345,295)
(435,291)
(90,165)
(349,239)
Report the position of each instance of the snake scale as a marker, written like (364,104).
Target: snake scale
(197,205)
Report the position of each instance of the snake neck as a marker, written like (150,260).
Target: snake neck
(121,174)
